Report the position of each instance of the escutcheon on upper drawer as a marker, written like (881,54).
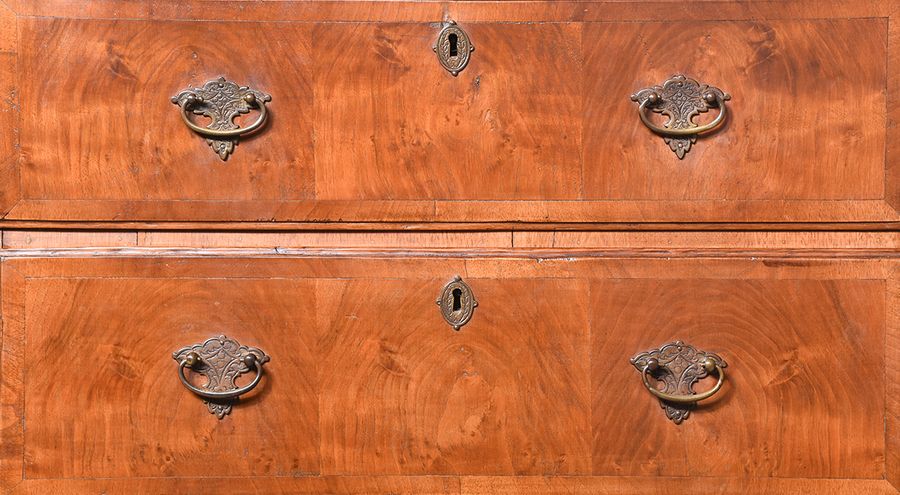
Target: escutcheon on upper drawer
(366,123)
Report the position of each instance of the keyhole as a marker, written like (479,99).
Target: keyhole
(457,299)
(453,49)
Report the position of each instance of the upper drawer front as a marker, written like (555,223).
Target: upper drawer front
(367,378)
(365,124)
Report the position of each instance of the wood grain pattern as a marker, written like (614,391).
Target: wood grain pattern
(12,371)
(428,11)
(843,243)
(799,352)
(109,131)
(892,151)
(466,485)
(393,125)
(892,377)
(105,399)
(367,128)
(27,239)
(406,394)
(9,111)
(475,240)
(522,485)
(399,392)
(801,96)
(707,240)
(773,214)
(301,485)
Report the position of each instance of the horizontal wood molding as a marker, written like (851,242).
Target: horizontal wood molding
(464,485)
(18,242)
(339,211)
(430,10)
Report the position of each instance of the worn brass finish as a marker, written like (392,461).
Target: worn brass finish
(222,361)
(457,303)
(681,99)
(222,101)
(453,48)
(679,366)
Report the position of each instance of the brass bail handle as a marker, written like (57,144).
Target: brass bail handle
(192,359)
(681,99)
(653,99)
(193,101)
(222,101)
(709,364)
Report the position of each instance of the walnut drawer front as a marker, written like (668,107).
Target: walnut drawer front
(365,124)
(367,379)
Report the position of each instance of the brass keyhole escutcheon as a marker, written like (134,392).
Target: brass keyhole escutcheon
(457,303)
(453,48)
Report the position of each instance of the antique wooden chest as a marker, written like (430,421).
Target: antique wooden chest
(455,247)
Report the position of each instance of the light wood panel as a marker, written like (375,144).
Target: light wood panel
(34,239)
(427,11)
(98,123)
(892,376)
(393,125)
(458,240)
(9,111)
(299,485)
(103,398)
(799,353)
(665,485)
(806,121)
(403,393)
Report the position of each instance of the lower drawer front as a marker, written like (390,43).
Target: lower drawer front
(367,378)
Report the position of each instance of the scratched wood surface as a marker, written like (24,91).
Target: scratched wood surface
(367,127)
(366,379)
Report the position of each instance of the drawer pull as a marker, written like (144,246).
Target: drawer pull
(222,101)
(681,99)
(222,361)
(457,303)
(679,366)
(453,48)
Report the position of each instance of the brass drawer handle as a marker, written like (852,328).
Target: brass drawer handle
(679,366)
(222,101)
(222,361)
(681,99)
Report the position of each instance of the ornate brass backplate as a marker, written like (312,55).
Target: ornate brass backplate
(453,48)
(221,360)
(681,99)
(222,101)
(457,303)
(678,366)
